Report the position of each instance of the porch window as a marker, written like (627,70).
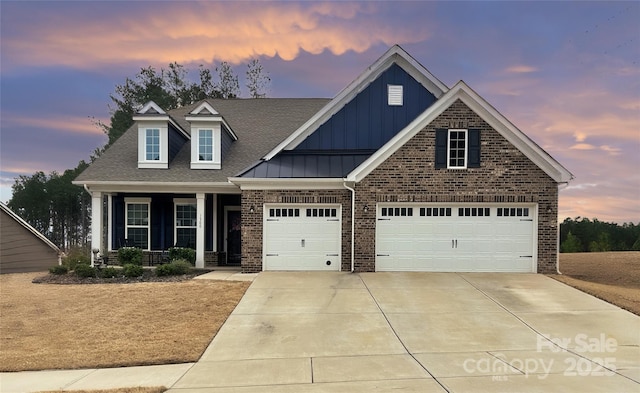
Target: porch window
(137,228)
(186,223)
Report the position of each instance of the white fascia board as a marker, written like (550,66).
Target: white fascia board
(161,187)
(394,55)
(203,119)
(166,118)
(204,105)
(179,128)
(229,130)
(288,184)
(151,105)
(28,227)
(488,113)
(511,133)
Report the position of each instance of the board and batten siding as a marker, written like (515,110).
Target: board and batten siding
(368,121)
(21,250)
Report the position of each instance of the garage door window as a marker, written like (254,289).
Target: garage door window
(513,212)
(284,212)
(435,211)
(474,212)
(397,212)
(322,212)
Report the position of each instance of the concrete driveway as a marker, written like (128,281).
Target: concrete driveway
(419,332)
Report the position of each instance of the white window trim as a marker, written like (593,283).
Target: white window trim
(163,162)
(395,95)
(146,144)
(200,131)
(215,163)
(182,202)
(138,201)
(466,148)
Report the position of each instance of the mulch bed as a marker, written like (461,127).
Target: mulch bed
(147,276)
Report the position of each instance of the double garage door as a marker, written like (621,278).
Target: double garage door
(455,238)
(299,237)
(408,237)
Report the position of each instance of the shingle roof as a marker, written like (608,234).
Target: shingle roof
(260,125)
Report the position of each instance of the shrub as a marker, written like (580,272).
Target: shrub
(131,270)
(188,254)
(76,256)
(58,269)
(175,268)
(109,272)
(83,270)
(130,256)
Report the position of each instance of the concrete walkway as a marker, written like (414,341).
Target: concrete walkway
(420,332)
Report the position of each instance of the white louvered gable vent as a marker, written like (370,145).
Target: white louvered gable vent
(395,95)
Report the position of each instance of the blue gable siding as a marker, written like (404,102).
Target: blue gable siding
(176,141)
(368,122)
(226,143)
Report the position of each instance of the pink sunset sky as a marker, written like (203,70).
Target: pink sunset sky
(566,73)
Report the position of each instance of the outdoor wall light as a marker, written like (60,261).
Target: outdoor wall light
(366,208)
(252,209)
(549,210)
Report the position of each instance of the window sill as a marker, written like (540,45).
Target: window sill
(153,165)
(205,165)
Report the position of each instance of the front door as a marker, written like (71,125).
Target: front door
(232,235)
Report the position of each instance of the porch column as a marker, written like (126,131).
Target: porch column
(214,217)
(109,221)
(200,230)
(96,223)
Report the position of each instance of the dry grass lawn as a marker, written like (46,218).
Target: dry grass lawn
(610,276)
(44,326)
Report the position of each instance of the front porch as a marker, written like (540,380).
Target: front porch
(210,223)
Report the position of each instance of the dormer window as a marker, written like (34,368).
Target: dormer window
(205,145)
(152,144)
(210,137)
(153,141)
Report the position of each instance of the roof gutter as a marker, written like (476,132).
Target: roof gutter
(353,222)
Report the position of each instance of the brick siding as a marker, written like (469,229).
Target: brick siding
(506,175)
(252,222)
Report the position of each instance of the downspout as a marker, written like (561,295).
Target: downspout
(353,223)
(560,187)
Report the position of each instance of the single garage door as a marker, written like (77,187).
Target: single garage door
(455,238)
(302,237)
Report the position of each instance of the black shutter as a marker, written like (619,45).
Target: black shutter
(474,149)
(441,148)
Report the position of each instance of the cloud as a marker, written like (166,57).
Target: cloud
(204,32)
(67,124)
(581,186)
(614,151)
(520,69)
(582,146)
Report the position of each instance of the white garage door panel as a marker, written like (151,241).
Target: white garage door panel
(499,239)
(302,240)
